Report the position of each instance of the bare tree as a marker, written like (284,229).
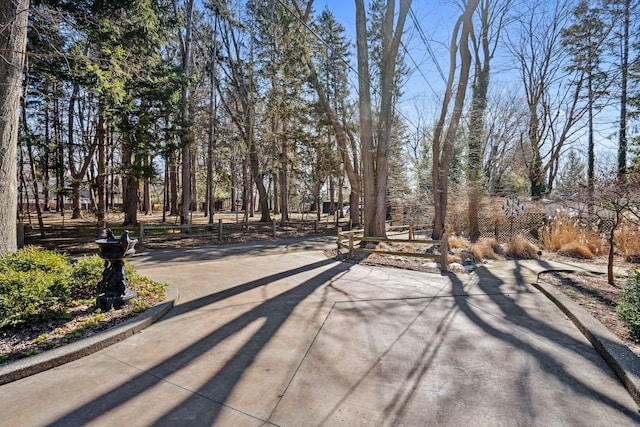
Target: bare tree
(552,93)
(614,201)
(239,105)
(444,141)
(13,40)
(492,15)
(503,129)
(340,128)
(375,161)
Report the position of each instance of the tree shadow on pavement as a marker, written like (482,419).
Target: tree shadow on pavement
(216,390)
(514,314)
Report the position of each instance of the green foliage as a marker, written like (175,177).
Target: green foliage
(573,173)
(145,286)
(29,259)
(515,183)
(33,284)
(37,284)
(86,274)
(629,303)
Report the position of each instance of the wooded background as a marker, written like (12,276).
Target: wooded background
(268,106)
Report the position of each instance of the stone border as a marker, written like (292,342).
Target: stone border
(623,361)
(58,356)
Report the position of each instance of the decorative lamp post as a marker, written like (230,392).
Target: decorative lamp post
(113,291)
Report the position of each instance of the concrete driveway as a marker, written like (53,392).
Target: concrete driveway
(274,333)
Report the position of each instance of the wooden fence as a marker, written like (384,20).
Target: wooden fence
(219,229)
(348,240)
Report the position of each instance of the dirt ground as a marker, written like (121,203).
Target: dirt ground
(598,297)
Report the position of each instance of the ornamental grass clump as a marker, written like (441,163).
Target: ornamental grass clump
(568,236)
(519,247)
(629,303)
(486,248)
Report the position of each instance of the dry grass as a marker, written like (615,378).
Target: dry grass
(454,259)
(486,248)
(455,242)
(382,246)
(520,248)
(575,250)
(627,240)
(567,234)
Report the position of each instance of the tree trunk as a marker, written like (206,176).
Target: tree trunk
(624,66)
(32,164)
(284,192)
(194,176)
(146,200)
(213,108)
(173,184)
(75,184)
(60,169)
(442,150)
(476,122)
(101,223)
(375,160)
(45,158)
(366,124)
(129,187)
(186,134)
(13,38)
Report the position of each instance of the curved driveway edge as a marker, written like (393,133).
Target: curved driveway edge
(51,358)
(617,355)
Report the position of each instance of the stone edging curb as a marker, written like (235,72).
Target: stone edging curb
(51,358)
(623,361)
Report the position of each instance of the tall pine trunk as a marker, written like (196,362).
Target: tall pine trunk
(100,179)
(13,39)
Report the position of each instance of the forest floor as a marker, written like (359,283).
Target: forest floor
(590,291)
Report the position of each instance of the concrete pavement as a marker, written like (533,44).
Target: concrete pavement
(273,333)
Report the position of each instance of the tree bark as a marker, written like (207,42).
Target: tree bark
(442,149)
(100,178)
(13,39)
(624,67)
(375,160)
(186,137)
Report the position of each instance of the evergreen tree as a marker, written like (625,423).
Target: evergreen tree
(585,39)
(572,176)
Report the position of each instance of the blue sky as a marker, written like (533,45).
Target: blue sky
(425,87)
(435,19)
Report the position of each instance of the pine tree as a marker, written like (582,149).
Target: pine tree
(585,40)
(572,176)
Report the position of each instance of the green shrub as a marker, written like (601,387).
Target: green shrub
(36,285)
(29,295)
(86,274)
(629,303)
(30,258)
(33,284)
